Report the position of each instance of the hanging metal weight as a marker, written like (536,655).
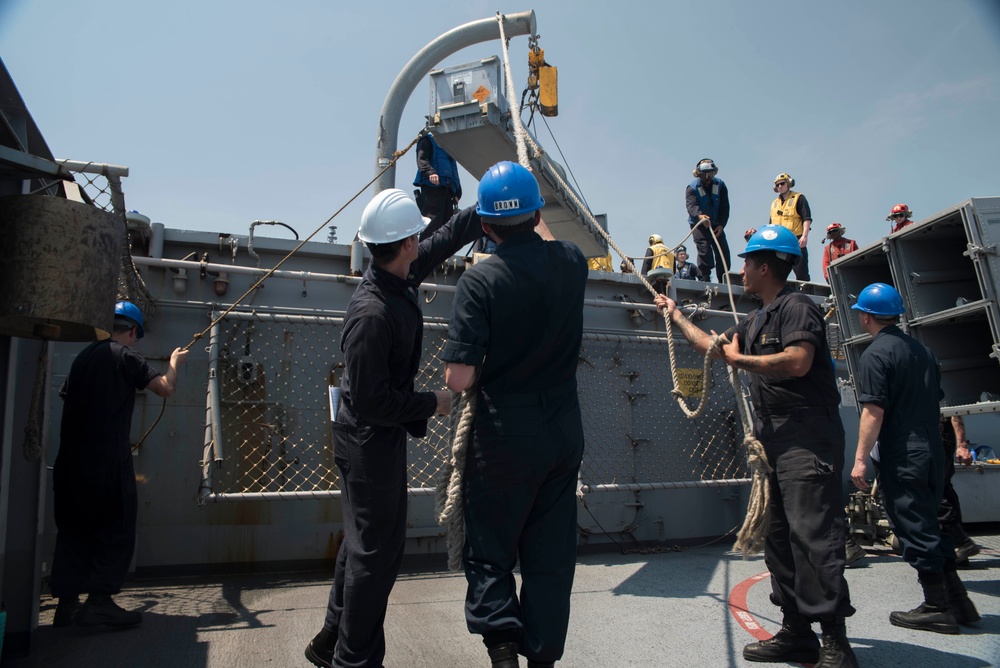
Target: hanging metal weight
(59,266)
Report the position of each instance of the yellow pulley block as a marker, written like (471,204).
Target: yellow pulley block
(536,60)
(548,96)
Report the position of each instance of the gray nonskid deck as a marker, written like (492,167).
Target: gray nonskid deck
(656,609)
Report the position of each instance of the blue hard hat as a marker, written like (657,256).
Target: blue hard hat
(880,299)
(774,238)
(507,190)
(132,312)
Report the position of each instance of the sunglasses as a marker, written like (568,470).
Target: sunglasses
(781,183)
(899,215)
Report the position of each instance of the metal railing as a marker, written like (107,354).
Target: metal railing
(267,433)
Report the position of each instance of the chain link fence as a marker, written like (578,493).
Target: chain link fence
(273,372)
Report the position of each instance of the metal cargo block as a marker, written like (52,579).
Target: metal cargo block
(850,274)
(962,340)
(935,272)
(982,220)
(478,83)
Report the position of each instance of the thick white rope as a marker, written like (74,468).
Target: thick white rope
(520,134)
(448,496)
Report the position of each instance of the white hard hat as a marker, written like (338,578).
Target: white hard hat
(391,216)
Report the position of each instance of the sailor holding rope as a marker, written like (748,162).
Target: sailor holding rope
(784,348)
(517,318)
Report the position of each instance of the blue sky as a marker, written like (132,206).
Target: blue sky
(228,112)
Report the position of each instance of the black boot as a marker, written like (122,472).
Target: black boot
(932,614)
(66,611)
(958,598)
(794,643)
(504,655)
(101,610)
(536,664)
(965,549)
(853,553)
(836,652)
(320,649)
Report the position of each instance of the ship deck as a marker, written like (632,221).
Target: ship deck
(693,606)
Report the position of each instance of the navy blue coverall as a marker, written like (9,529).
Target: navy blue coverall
(93,479)
(437,202)
(901,375)
(798,422)
(697,201)
(519,317)
(381,342)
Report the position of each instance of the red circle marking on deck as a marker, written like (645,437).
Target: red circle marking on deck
(738,607)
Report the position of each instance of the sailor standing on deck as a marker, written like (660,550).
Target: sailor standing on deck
(381,342)
(518,318)
(93,479)
(791,210)
(899,389)
(707,202)
(783,346)
(683,268)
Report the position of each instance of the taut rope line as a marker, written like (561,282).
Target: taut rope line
(395,157)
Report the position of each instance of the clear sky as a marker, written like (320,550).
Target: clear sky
(227,112)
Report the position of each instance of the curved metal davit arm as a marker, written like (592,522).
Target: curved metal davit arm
(456,39)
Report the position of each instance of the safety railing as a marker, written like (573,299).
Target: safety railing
(267,433)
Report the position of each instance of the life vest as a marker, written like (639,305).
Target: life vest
(708,201)
(662,257)
(837,249)
(785,213)
(900,225)
(685,270)
(600,263)
(443,165)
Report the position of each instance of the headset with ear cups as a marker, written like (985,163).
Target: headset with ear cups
(698,172)
(784,177)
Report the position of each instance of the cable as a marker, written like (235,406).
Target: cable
(396,156)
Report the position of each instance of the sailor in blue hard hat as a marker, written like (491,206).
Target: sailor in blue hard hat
(880,300)
(94,484)
(899,389)
(783,347)
(779,249)
(515,330)
(127,313)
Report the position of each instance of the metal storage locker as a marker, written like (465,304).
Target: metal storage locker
(849,275)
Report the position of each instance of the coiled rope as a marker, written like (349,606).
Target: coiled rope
(448,496)
(751,536)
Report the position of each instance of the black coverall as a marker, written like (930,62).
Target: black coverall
(901,375)
(798,422)
(519,317)
(93,479)
(381,342)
